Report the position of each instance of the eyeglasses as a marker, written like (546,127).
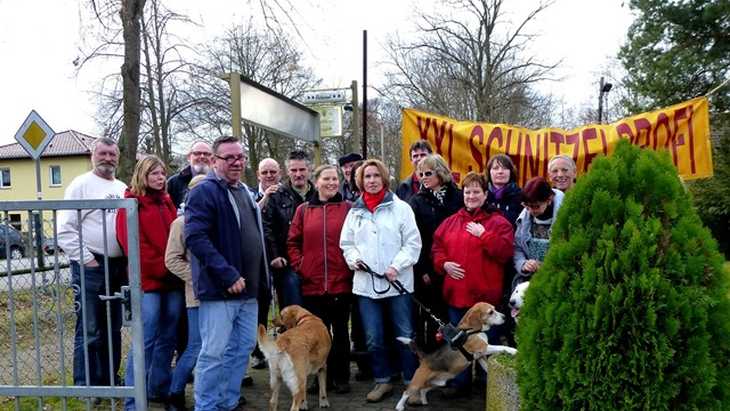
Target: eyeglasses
(201,153)
(425,174)
(232,159)
(265,172)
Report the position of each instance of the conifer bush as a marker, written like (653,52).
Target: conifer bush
(630,310)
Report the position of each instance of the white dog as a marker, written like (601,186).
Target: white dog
(517,299)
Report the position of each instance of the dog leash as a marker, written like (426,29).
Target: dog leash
(453,336)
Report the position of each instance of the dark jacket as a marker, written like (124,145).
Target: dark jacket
(177,185)
(314,247)
(214,240)
(482,258)
(156,213)
(510,204)
(278,213)
(347,193)
(430,213)
(405,189)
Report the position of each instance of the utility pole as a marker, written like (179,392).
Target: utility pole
(355,121)
(365,94)
(604,88)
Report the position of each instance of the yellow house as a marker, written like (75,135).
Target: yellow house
(65,157)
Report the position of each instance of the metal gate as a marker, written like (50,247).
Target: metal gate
(46,304)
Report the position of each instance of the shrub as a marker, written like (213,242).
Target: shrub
(630,309)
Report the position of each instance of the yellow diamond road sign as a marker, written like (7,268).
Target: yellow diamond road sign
(34,135)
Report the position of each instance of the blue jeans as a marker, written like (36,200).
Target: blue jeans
(160,314)
(288,287)
(186,362)
(228,334)
(463,380)
(397,313)
(98,328)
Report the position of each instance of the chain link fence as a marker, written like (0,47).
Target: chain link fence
(37,308)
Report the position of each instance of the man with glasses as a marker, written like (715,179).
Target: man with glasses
(410,186)
(278,213)
(199,158)
(268,175)
(224,233)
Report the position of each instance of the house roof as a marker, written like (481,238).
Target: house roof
(65,143)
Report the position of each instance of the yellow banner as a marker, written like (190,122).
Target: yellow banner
(682,129)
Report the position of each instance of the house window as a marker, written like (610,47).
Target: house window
(55,175)
(4,177)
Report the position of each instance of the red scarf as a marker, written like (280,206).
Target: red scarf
(372,200)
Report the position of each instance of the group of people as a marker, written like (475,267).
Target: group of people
(212,250)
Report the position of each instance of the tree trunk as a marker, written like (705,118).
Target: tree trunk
(131,14)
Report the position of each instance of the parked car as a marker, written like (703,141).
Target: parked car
(14,239)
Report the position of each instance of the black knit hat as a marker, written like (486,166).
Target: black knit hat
(349,158)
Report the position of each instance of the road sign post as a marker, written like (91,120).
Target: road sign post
(34,135)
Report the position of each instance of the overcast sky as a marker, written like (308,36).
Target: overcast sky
(39,39)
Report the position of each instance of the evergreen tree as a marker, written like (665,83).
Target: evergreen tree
(630,309)
(675,51)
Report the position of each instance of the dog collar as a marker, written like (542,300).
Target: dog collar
(304,317)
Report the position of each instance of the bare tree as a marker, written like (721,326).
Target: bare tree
(269,58)
(163,77)
(471,64)
(131,15)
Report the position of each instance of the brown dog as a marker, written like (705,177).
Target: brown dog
(446,363)
(299,351)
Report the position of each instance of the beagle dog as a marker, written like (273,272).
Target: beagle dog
(299,351)
(446,363)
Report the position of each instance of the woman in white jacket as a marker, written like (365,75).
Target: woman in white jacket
(380,230)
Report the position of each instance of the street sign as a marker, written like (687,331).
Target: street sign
(325,96)
(34,135)
(330,119)
(265,108)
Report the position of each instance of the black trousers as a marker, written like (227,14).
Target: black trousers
(334,310)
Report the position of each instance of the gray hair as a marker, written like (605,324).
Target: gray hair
(567,158)
(105,141)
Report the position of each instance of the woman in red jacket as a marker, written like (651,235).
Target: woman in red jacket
(315,254)
(471,248)
(163,298)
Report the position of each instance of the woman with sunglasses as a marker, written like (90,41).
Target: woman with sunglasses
(534,226)
(438,199)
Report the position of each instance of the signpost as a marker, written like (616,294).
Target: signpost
(265,108)
(330,119)
(34,135)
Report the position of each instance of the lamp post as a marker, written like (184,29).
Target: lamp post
(604,89)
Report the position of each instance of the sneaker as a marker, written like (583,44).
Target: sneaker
(379,392)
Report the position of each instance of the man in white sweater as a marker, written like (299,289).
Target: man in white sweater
(84,243)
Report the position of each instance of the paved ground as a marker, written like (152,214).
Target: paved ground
(258,397)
